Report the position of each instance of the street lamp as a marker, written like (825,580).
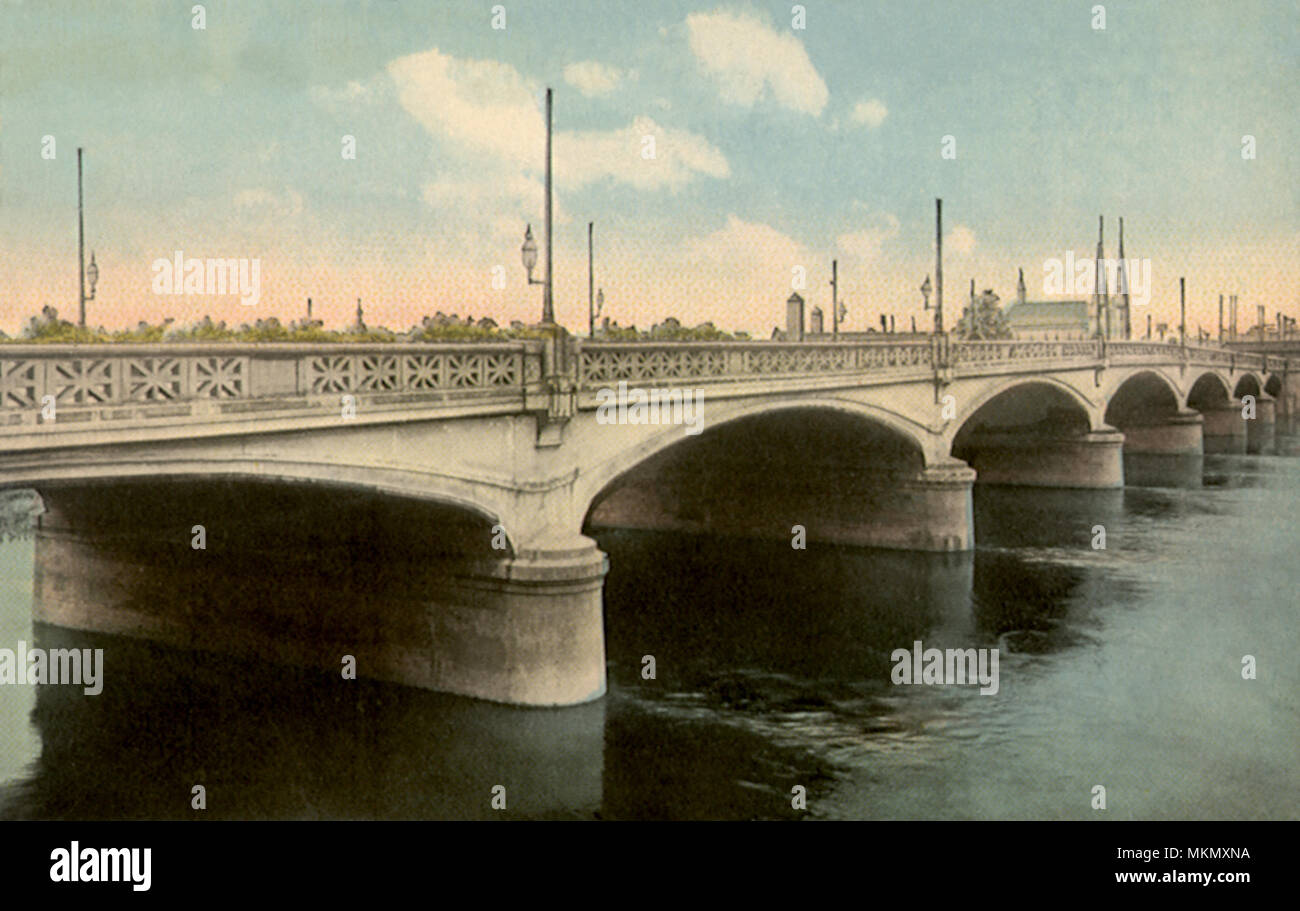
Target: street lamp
(530,246)
(528,252)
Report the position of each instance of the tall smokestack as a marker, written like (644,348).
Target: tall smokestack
(1220,319)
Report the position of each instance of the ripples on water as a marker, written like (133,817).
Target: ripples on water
(1119,667)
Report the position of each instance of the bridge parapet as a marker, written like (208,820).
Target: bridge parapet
(605,363)
(122,385)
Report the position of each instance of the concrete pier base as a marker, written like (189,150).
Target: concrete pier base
(524,630)
(1182,434)
(1091,461)
(1225,429)
(1169,453)
(1261,432)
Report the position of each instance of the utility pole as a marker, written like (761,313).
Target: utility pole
(835,299)
(548,301)
(938,267)
(591,284)
(82,273)
(1182,312)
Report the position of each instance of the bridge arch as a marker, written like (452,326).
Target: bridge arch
(1249,384)
(1038,432)
(655,439)
(829,469)
(1209,390)
(1045,388)
(1143,397)
(1274,386)
(442,492)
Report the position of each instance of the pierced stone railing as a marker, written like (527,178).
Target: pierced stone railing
(1023,350)
(1128,351)
(602,363)
(124,381)
(84,376)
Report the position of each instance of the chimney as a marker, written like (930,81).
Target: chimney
(815,321)
(794,318)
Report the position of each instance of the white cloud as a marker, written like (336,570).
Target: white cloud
(680,156)
(482,105)
(866,243)
(748,58)
(592,78)
(962,238)
(872,113)
(488,109)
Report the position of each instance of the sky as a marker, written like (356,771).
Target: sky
(722,151)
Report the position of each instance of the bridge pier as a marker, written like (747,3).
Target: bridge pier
(1261,431)
(1225,429)
(1089,461)
(1165,453)
(524,630)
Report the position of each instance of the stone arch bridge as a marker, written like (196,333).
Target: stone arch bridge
(464,476)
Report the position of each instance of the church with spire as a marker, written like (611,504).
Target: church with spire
(1103,315)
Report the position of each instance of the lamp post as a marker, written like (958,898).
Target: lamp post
(835,299)
(529,250)
(84,273)
(938,267)
(1182,313)
(591,278)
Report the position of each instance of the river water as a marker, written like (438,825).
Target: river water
(1119,667)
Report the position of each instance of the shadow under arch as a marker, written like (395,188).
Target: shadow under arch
(1037,433)
(1249,384)
(1163,443)
(291,574)
(835,473)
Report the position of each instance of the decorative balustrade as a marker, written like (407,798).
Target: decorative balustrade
(1017,350)
(1126,351)
(85,381)
(84,376)
(88,377)
(604,363)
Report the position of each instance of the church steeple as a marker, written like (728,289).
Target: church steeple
(1020,288)
(1100,299)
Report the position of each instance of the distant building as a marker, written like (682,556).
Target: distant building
(1050,320)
